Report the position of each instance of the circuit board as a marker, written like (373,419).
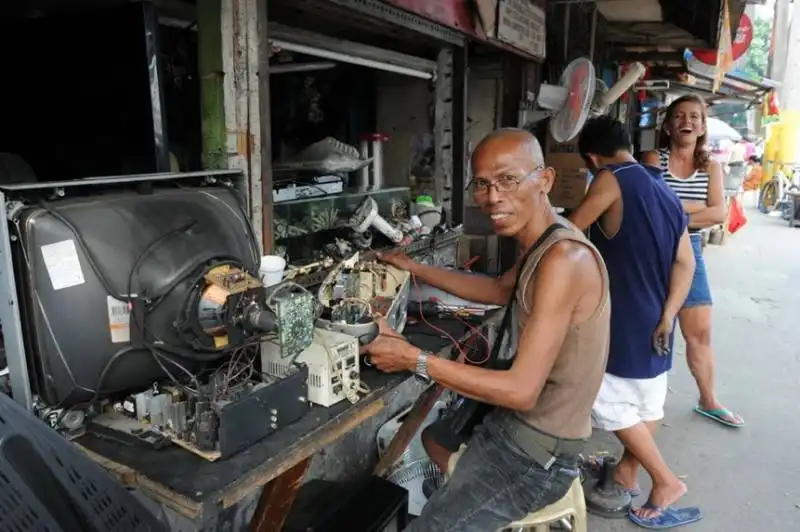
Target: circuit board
(233,280)
(225,419)
(295,313)
(360,290)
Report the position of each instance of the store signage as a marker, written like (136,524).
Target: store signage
(518,23)
(452,13)
(521,24)
(744,37)
(704,62)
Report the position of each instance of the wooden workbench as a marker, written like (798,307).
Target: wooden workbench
(200,490)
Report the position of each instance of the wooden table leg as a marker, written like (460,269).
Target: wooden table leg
(411,424)
(277,499)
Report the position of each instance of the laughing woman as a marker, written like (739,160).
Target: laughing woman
(697,180)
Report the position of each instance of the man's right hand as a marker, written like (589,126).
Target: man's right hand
(397,259)
(662,335)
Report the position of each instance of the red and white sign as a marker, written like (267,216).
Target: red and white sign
(744,36)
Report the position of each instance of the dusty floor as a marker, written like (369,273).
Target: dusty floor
(747,479)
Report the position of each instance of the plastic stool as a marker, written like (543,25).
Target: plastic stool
(571,506)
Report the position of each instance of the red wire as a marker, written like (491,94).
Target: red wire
(471,261)
(482,336)
(455,342)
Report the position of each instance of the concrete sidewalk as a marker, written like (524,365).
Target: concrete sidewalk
(744,479)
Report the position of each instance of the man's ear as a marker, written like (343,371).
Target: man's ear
(548,179)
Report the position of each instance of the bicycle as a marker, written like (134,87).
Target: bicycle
(775,194)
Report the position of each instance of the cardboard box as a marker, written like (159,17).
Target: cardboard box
(571,172)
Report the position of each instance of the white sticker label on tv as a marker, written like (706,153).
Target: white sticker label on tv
(63,265)
(119,320)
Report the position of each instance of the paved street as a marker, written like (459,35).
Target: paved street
(747,479)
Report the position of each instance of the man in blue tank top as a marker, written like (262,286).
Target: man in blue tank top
(638,225)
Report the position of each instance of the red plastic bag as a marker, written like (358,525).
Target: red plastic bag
(736,217)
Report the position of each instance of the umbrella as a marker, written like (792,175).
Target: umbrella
(717,130)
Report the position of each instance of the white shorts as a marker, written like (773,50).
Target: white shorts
(623,403)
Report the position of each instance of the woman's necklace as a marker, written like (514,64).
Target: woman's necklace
(683,164)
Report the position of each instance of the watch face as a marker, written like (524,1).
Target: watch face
(422,378)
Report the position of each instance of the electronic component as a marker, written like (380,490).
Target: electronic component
(181,306)
(226,418)
(295,312)
(356,291)
(448,303)
(333,366)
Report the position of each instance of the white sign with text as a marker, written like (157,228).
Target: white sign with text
(520,23)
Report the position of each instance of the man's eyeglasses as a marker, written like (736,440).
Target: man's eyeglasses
(504,185)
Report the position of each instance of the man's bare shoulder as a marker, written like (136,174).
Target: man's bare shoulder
(569,274)
(604,175)
(566,262)
(651,158)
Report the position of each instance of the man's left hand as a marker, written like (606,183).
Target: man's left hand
(389,351)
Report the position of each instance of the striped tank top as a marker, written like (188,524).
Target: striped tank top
(692,188)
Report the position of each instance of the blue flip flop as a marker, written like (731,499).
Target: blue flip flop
(668,517)
(718,415)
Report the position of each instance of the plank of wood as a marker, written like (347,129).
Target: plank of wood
(132,478)
(408,429)
(301,451)
(277,498)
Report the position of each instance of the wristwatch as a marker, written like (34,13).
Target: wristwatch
(421,369)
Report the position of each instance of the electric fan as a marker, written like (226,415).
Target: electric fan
(578,95)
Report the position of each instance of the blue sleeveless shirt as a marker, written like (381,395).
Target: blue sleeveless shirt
(639,260)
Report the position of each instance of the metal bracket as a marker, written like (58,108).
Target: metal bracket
(10,318)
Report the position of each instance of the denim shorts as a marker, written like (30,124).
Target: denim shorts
(700,292)
(495,483)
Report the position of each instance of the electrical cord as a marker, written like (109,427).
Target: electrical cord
(161,357)
(455,342)
(480,335)
(85,248)
(140,259)
(283,286)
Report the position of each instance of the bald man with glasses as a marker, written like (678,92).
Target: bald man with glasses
(530,405)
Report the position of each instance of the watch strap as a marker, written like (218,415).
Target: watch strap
(421,368)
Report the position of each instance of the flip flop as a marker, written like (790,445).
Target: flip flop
(667,517)
(719,415)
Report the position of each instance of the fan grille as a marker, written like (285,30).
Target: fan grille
(579,79)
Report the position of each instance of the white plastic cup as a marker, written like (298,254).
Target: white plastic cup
(271,269)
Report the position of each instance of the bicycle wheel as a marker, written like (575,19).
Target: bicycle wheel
(768,199)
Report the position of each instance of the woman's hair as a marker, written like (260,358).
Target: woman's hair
(701,155)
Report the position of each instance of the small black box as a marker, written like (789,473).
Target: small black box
(376,505)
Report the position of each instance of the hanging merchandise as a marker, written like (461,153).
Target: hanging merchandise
(725,54)
(736,216)
(771,109)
